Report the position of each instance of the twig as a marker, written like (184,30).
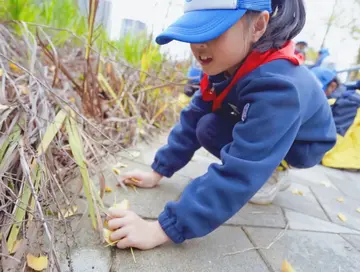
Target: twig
(63,101)
(277,238)
(10,257)
(133,255)
(32,187)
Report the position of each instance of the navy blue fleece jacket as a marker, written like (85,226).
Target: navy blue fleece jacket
(286,116)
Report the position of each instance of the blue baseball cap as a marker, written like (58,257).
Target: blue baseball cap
(205,20)
(324,75)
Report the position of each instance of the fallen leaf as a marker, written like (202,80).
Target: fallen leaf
(37,263)
(123,205)
(67,212)
(107,233)
(134,154)
(24,90)
(358,210)
(14,67)
(72,99)
(325,183)
(135,180)
(116,171)
(286,267)
(16,246)
(120,165)
(340,199)
(342,217)
(108,189)
(1,72)
(297,192)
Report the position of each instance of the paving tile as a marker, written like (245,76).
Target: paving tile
(311,176)
(305,203)
(306,251)
(353,239)
(328,200)
(259,215)
(145,202)
(299,221)
(348,183)
(200,255)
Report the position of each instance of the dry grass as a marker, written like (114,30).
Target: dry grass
(62,111)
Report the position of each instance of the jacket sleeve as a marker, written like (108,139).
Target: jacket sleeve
(261,140)
(182,141)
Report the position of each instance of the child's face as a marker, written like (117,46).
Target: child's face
(225,53)
(331,88)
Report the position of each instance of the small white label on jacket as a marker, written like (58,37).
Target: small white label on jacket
(245,112)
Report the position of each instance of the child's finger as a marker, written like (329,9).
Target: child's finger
(123,243)
(114,212)
(119,234)
(116,223)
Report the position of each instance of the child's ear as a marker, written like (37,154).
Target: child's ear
(259,25)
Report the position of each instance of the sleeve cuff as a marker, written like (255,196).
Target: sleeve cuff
(167,222)
(161,169)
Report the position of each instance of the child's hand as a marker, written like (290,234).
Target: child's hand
(142,179)
(130,230)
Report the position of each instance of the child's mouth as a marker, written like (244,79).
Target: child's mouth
(204,60)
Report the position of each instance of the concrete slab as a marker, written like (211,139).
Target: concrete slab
(353,239)
(328,200)
(306,203)
(306,251)
(349,184)
(299,221)
(145,202)
(80,247)
(259,215)
(205,254)
(312,176)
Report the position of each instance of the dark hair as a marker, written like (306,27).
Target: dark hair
(286,21)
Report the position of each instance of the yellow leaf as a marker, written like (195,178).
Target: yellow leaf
(325,183)
(107,233)
(342,217)
(72,99)
(120,165)
(340,199)
(1,72)
(297,192)
(331,101)
(14,67)
(286,267)
(77,149)
(51,131)
(15,247)
(24,90)
(68,212)
(358,210)
(123,205)
(108,189)
(37,263)
(116,171)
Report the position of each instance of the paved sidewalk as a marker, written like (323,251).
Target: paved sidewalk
(301,226)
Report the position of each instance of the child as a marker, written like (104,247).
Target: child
(300,50)
(328,80)
(257,108)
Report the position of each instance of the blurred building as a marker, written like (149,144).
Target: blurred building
(134,27)
(103,14)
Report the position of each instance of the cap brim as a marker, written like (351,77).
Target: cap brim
(200,26)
